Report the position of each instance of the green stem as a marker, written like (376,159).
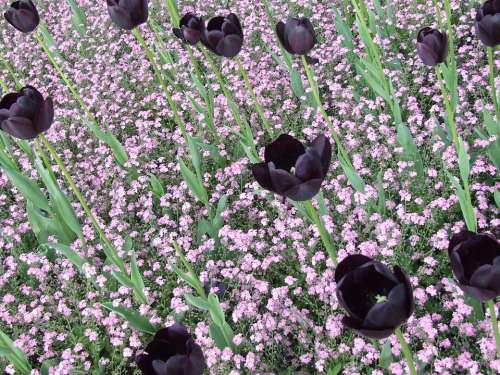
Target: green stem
(447,9)
(439,16)
(313,215)
(108,247)
(406,351)
(4,86)
(315,91)
(494,323)
(449,112)
(250,89)
(12,73)
(492,82)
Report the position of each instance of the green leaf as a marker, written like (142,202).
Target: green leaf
(217,335)
(296,81)
(135,320)
(49,41)
(195,154)
(478,312)
(198,302)
(186,277)
(27,188)
(13,354)
(496,195)
(221,205)
(45,224)
(463,161)
(335,370)
(386,358)
(465,205)
(72,256)
(215,310)
(119,152)
(135,274)
(194,184)
(381,194)
(156,186)
(123,279)
(352,175)
(78,17)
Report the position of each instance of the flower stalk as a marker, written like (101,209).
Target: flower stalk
(406,351)
(494,323)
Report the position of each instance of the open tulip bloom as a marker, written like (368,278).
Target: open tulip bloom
(191,29)
(224,35)
(26,114)
(310,167)
(432,46)
(128,14)
(23,15)
(377,300)
(297,36)
(172,351)
(487,23)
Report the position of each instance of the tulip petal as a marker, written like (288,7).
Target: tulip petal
(487,276)
(19,127)
(410,300)
(284,152)
(160,367)
(301,40)
(308,166)
(261,174)
(457,238)
(348,264)
(427,55)
(160,349)
(121,17)
(280,32)
(229,46)
(324,149)
(176,364)
(9,99)
(145,364)
(281,179)
(480,294)
(385,315)
(177,335)
(196,364)
(233,18)
(45,116)
(304,191)
(213,39)
(23,19)
(191,36)
(215,24)
(371,333)
(229,28)
(457,267)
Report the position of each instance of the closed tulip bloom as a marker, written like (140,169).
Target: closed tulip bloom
(475,261)
(172,351)
(297,36)
(224,35)
(191,29)
(487,23)
(310,167)
(432,46)
(26,114)
(127,14)
(23,16)
(377,300)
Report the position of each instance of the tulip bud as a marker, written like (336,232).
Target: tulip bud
(297,36)
(432,46)
(26,114)
(377,300)
(311,166)
(172,351)
(23,16)
(487,23)
(191,29)
(128,14)
(224,35)
(475,261)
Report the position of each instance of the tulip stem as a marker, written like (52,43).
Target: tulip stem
(247,135)
(406,351)
(313,215)
(12,72)
(492,82)
(449,112)
(250,89)
(4,86)
(439,16)
(447,9)
(315,92)
(109,250)
(494,323)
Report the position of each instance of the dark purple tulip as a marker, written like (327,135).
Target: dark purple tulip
(127,14)
(487,23)
(377,300)
(475,261)
(172,351)
(23,16)
(26,114)
(191,29)
(224,35)
(297,36)
(432,46)
(311,166)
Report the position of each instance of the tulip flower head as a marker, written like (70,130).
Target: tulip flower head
(432,46)
(475,261)
(487,23)
(224,35)
(26,114)
(377,300)
(191,29)
(128,14)
(23,15)
(172,351)
(311,166)
(297,36)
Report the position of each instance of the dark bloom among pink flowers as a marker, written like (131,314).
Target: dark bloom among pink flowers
(377,300)
(224,35)
(23,16)
(26,114)
(475,261)
(432,46)
(128,14)
(172,351)
(191,29)
(297,36)
(310,167)
(487,23)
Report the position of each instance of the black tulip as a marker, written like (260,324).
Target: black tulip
(432,46)
(297,36)
(191,29)
(311,166)
(128,14)
(172,351)
(23,16)
(224,35)
(25,114)
(487,23)
(377,300)
(475,261)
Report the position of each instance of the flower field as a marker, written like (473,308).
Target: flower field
(249,187)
